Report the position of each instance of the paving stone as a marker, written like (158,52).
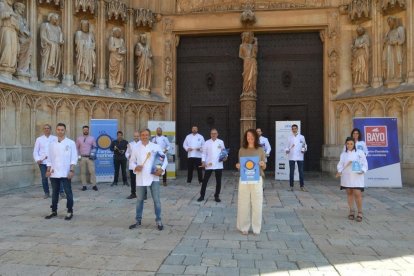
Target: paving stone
(223,271)
(195,270)
(173,269)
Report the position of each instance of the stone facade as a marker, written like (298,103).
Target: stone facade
(26,104)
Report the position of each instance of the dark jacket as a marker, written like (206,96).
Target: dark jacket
(119,148)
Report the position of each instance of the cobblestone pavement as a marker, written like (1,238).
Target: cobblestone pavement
(304,233)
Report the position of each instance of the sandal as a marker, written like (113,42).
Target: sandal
(359,217)
(351,215)
(245,233)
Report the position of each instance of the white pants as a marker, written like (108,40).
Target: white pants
(249,207)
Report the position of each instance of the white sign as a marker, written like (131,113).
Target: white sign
(283,132)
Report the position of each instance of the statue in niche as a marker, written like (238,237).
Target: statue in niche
(85,55)
(9,44)
(25,42)
(360,59)
(393,51)
(51,40)
(248,52)
(117,53)
(144,64)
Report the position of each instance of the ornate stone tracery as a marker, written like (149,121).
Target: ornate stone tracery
(387,5)
(359,10)
(85,5)
(116,10)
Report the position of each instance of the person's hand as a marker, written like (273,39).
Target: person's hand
(49,173)
(225,159)
(203,165)
(238,166)
(287,151)
(71,174)
(158,172)
(189,149)
(138,168)
(262,163)
(39,162)
(338,174)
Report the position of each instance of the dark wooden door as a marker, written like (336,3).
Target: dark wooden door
(208,90)
(290,87)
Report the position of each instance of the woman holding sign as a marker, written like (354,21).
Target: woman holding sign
(351,168)
(252,163)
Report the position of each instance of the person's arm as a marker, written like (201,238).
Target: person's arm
(167,144)
(341,166)
(94,143)
(36,156)
(364,162)
(185,144)
(49,161)
(73,161)
(268,147)
(111,148)
(262,162)
(128,152)
(204,155)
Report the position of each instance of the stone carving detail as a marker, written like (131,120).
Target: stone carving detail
(392,4)
(51,40)
(248,52)
(393,54)
(85,5)
(168,53)
(144,64)
(144,18)
(333,61)
(333,33)
(8,38)
(360,60)
(359,9)
(117,52)
(52,2)
(25,42)
(248,17)
(116,10)
(85,56)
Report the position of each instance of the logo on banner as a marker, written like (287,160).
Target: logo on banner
(376,136)
(104,141)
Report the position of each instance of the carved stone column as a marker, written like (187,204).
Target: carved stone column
(67,24)
(377,43)
(130,51)
(248,113)
(101,49)
(32,21)
(410,41)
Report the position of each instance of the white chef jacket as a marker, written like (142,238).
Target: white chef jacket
(294,146)
(360,145)
(162,141)
(138,156)
(264,143)
(41,148)
(128,153)
(211,153)
(349,178)
(61,155)
(196,142)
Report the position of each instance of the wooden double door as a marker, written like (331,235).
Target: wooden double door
(289,87)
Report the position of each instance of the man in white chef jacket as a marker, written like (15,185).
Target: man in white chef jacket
(142,158)
(193,145)
(264,142)
(296,148)
(131,167)
(210,161)
(61,162)
(163,142)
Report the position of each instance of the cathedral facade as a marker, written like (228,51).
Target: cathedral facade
(321,61)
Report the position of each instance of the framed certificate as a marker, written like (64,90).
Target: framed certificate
(249,170)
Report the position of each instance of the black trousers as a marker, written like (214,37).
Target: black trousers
(194,162)
(122,164)
(133,182)
(164,177)
(207,175)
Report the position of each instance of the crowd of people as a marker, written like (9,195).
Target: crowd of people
(57,157)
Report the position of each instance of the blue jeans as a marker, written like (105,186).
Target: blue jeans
(292,172)
(155,192)
(56,184)
(45,182)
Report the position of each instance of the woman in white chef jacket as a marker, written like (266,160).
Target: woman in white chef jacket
(351,168)
(359,143)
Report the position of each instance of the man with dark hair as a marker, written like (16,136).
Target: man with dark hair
(296,148)
(119,147)
(60,163)
(85,144)
(193,145)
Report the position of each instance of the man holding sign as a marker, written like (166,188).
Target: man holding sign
(150,163)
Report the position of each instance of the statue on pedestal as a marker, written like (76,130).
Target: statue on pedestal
(248,52)
(117,53)
(144,64)
(51,41)
(25,42)
(9,44)
(85,56)
(393,52)
(360,60)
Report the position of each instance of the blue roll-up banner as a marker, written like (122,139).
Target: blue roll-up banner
(381,137)
(104,131)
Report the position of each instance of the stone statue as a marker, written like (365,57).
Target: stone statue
(360,59)
(393,51)
(25,42)
(117,53)
(51,40)
(9,44)
(144,64)
(85,56)
(248,52)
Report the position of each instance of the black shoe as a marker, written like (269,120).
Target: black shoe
(95,188)
(69,216)
(201,183)
(160,226)
(135,225)
(291,189)
(53,214)
(62,195)
(125,183)
(200,199)
(164,184)
(217,199)
(131,196)
(84,188)
(114,184)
